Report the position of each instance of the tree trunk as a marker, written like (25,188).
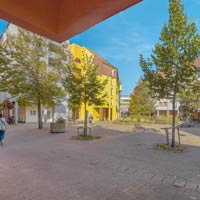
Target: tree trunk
(39,114)
(173,121)
(73,115)
(174,113)
(85,112)
(85,119)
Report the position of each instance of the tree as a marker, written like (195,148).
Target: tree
(170,67)
(84,86)
(27,75)
(189,101)
(141,102)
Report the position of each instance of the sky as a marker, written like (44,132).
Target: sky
(122,38)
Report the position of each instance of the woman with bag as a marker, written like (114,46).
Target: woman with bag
(3,128)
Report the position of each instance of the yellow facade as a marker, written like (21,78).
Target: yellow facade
(110,110)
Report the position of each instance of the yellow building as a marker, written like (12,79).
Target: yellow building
(110,109)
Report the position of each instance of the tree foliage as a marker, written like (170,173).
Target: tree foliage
(26,73)
(170,67)
(189,100)
(84,85)
(141,102)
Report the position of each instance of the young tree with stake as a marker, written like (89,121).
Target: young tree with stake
(170,67)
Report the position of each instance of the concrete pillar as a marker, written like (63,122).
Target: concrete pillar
(158,113)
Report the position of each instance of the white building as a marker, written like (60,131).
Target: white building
(164,107)
(124,105)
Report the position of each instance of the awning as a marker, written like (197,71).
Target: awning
(60,19)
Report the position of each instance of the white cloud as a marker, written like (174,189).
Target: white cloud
(119,42)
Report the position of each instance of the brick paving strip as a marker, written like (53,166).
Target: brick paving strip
(167,180)
(191,186)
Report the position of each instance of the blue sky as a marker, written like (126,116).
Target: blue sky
(123,37)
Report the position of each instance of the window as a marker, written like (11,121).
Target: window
(52,61)
(111,81)
(111,91)
(53,47)
(124,100)
(48,114)
(32,112)
(77,60)
(112,72)
(163,104)
(111,102)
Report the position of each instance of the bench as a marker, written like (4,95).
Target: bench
(167,134)
(82,127)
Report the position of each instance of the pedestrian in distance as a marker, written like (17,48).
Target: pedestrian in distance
(3,127)
(91,121)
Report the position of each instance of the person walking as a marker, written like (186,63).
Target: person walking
(91,121)
(3,127)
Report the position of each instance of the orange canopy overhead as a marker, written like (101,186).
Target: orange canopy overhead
(60,19)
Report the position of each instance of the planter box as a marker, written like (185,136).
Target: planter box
(56,127)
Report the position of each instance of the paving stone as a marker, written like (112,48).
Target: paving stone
(198,188)
(148,175)
(124,168)
(169,179)
(131,171)
(179,183)
(193,198)
(35,165)
(191,186)
(190,194)
(158,178)
(139,172)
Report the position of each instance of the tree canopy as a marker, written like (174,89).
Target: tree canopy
(141,102)
(170,67)
(27,73)
(84,85)
(189,100)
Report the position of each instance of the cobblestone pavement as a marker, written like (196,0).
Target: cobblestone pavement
(123,165)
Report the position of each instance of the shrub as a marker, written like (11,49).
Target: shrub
(148,120)
(134,120)
(142,120)
(178,148)
(85,137)
(165,120)
(60,120)
(127,119)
